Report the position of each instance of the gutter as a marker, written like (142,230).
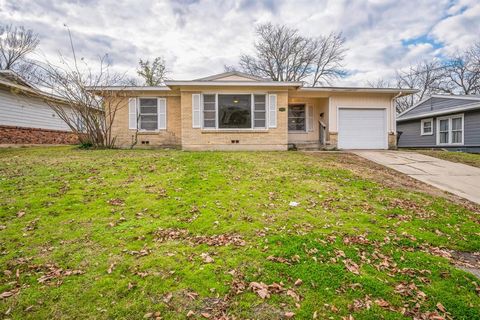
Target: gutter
(394,109)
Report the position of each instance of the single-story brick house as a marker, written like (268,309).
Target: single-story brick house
(25,117)
(236,111)
(449,122)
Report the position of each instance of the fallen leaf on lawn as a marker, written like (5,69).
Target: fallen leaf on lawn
(192,295)
(206,258)
(148,315)
(116,202)
(110,269)
(20,213)
(168,297)
(6,294)
(441,307)
(206,315)
(293,294)
(190,314)
(382,303)
(351,266)
(289,314)
(298,282)
(315,315)
(261,289)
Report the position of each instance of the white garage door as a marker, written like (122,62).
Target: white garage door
(362,129)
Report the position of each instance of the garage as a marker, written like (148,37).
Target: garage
(362,128)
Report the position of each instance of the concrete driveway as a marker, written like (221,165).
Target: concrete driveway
(456,178)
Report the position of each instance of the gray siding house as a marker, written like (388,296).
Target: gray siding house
(441,121)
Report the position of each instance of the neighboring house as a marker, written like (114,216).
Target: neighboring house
(235,111)
(442,121)
(25,118)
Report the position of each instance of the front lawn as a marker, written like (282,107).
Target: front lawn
(137,234)
(470,159)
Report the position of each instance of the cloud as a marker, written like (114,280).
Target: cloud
(198,37)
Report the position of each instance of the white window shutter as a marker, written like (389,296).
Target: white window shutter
(162,113)
(196,111)
(272,110)
(132,113)
(309,118)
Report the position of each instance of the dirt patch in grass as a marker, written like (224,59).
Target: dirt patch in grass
(391,178)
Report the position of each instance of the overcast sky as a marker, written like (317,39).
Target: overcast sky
(198,37)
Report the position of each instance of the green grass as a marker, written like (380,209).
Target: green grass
(71,222)
(472,159)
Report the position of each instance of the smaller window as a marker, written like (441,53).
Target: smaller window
(148,114)
(427,127)
(259,111)
(296,118)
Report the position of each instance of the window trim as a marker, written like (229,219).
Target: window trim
(422,122)
(252,111)
(138,115)
(450,131)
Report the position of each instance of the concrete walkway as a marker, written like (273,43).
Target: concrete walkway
(459,179)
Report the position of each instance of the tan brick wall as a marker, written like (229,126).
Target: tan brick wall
(199,139)
(392,140)
(169,137)
(320,105)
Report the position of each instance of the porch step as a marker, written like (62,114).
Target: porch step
(310,146)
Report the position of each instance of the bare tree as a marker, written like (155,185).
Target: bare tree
(329,55)
(282,54)
(153,73)
(427,77)
(463,73)
(15,44)
(82,97)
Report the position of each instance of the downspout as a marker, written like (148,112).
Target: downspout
(395,116)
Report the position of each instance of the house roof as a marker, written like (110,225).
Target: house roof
(440,105)
(400,91)
(240,79)
(11,79)
(232,74)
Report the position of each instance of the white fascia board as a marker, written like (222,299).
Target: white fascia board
(358,89)
(234,83)
(130,88)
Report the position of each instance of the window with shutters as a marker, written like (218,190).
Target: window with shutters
(234,111)
(450,130)
(297,116)
(148,114)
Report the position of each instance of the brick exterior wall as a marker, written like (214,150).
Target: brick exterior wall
(171,137)
(180,134)
(200,139)
(20,135)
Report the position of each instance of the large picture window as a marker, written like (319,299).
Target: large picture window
(234,111)
(450,130)
(296,118)
(148,114)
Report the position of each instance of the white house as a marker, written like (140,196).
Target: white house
(25,118)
